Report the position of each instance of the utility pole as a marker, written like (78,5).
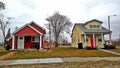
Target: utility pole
(49,34)
(109,28)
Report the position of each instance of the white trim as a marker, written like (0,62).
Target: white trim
(36,39)
(9,38)
(35,29)
(22,42)
(37,25)
(40,42)
(28,25)
(20,28)
(13,42)
(94,40)
(102,39)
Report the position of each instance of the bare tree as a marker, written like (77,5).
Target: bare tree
(4,21)
(2,6)
(63,40)
(58,23)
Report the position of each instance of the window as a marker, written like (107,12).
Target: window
(35,38)
(100,38)
(94,26)
(21,38)
(86,39)
(97,26)
(90,26)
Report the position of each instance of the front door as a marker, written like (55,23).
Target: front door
(92,42)
(21,42)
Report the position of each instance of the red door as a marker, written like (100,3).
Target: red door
(92,42)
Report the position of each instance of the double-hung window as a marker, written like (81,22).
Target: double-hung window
(35,39)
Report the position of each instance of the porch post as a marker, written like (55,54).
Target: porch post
(94,40)
(102,39)
(40,42)
(13,42)
(85,38)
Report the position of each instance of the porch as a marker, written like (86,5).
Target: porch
(95,40)
(26,42)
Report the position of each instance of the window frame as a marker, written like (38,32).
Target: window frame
(36,38)
(86,39)
(99,38)
(94,26)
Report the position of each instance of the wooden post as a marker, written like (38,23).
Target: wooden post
(13,42)
(102,39)
(94,40)
(40,42)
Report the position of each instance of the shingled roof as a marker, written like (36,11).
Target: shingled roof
(103,30)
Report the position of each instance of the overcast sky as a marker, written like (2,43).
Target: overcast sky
(79,11)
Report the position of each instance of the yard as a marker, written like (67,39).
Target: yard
(88,64)
(116,50)
(60,52)
(3,51)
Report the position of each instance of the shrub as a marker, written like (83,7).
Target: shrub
(89,48)
(7,47)
(109,46)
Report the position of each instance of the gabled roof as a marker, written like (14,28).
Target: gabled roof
(28,24)
(94,20)
(103,30)
(36,24)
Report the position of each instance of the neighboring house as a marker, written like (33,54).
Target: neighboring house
(90,34)
(27,37)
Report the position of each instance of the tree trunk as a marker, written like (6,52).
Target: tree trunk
(56,41)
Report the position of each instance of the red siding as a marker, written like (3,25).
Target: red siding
(16,41)
(26,31)
(28,44)
(38,28)
(10,43)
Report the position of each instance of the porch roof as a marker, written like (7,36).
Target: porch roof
(103,30)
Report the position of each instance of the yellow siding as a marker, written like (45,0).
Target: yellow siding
(95,23)
(98,44)
(77,34)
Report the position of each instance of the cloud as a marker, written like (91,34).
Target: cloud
(25,11)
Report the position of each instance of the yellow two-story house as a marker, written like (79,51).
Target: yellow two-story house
(90,34)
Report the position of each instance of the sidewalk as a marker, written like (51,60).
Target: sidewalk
(57,60)
(31,61)
(110,51)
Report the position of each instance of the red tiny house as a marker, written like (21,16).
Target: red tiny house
(27,37)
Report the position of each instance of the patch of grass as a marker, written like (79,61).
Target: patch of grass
(60,52)
(87,64)
(2,48)
(116,50)
(3,51)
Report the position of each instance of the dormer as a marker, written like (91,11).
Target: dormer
(93,24)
